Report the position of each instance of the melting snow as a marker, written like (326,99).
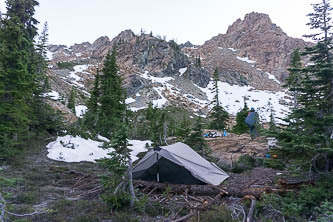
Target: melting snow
(159,103)
(156,79)
(135,109)
(129,100)
(231,98)
(182,71)
(80,68)
(53,95)
(80,110)
(232,49)
(77,149)
(272,77)
(245,59)
(74,76)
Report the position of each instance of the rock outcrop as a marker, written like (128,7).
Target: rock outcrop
(230,148)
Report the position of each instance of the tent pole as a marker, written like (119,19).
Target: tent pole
(157,171)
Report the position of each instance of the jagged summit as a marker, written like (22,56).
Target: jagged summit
(254,21)
(257,38)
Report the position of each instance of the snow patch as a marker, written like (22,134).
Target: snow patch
(182,71)
(80,110)
(81,68)
(154,79)
(259,99)
(246,59)
(232,49)
(129,100)
(77,149)
(78,54)
(135,109)
(74,76)
(53,95)
(272,77)
(159,103)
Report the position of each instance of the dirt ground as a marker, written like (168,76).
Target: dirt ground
(60,191)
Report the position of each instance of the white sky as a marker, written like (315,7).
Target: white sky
(76,21)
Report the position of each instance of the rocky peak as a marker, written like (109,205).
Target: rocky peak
(258,39)
(80,47)
(254,22)
(124,36)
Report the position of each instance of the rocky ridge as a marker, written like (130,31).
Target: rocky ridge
(256,38)
(252,54)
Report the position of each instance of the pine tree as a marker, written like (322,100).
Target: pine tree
(218,115)
(240,126)
(111,97)
(71,100)
(308,132)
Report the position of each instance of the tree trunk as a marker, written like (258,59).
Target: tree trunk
(251,211)
(165,129)
(130,181)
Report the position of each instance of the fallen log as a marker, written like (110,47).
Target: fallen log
(199,190)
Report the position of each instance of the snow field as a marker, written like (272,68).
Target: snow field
(76,149)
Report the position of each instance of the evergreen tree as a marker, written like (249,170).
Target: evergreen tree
(111,97)
(158,127)
(196,140)
(241,126)
(119,186)
(272,124)
(308,133)
(183,130)
(71,100)
(91,116)
(294,78)
(17,73)
(218,115)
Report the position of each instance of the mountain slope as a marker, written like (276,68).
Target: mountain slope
(250,57)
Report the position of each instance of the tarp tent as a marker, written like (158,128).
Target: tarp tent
(178,164)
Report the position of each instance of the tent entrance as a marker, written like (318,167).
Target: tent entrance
(168,172)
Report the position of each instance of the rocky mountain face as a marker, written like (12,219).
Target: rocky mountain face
(253,55)
(256,38)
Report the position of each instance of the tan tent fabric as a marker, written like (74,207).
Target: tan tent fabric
(183,155)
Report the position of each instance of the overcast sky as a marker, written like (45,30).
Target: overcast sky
(76,21)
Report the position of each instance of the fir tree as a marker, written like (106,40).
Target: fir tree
(158,127)
(294,78)
(71,100)
(119,186)
(218,115)
(241,126)
(196,140)
(272,123)
(111,97)
(308,133)
(91,116)
(17,73)
(183,130)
